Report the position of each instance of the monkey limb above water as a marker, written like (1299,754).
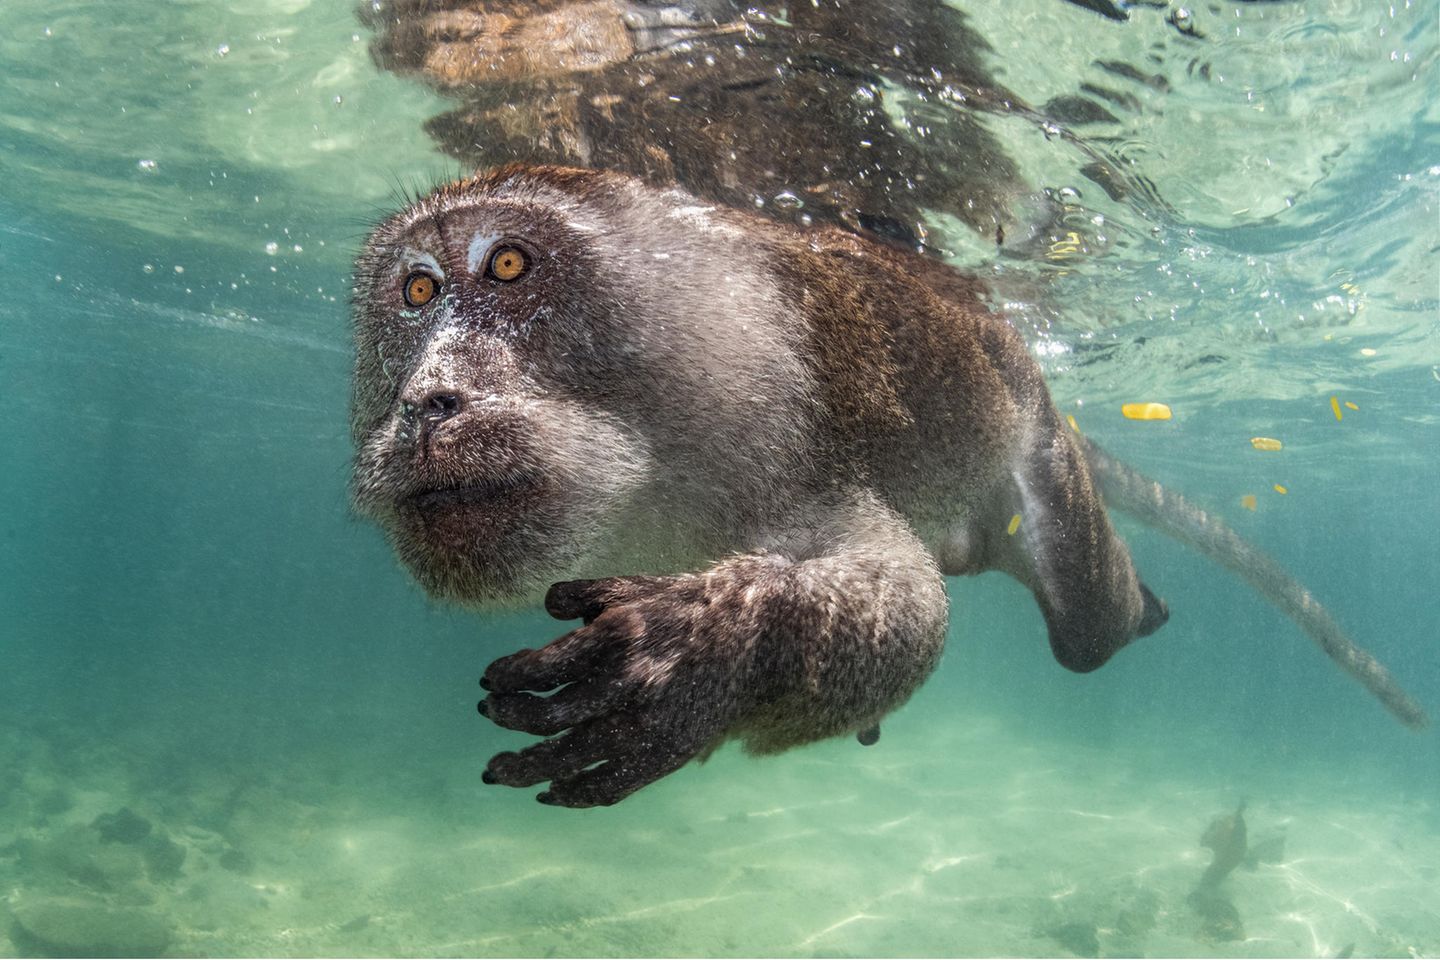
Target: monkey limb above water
(809,109)
(750,452)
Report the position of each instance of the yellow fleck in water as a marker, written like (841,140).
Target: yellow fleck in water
(1265,443)
(1248,501)
(1064,248)
(1146,411)
(1073,425)
(1014,525)
(1351,405)
(1335,405)
(1279,488)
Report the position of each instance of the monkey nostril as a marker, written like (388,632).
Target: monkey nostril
(440,406)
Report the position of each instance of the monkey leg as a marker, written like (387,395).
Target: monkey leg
(1067,552)
(814,636)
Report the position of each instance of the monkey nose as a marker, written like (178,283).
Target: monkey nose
(421,414)
(432,407)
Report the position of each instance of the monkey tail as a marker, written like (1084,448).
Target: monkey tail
(1127,489)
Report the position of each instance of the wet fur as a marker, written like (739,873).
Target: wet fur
(749,452)
(671,94)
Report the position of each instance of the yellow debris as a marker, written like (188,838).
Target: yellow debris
(1351,405)
(1063,248)
(1335,405)
(1248,501)
(1073,425)
(1265,443)
(1014,525)
(1280,489)
(1146,411)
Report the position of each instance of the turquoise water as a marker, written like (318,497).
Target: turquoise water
(196,629)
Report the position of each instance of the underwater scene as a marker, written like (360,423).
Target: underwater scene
(233,724)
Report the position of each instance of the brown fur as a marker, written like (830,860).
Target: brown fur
(819,425)
(671,384)
(738,103)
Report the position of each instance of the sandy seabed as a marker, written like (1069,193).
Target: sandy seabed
(965,842)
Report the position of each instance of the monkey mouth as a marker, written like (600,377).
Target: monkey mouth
(481,494)
(472,541)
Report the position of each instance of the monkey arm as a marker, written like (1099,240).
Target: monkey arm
(822,633)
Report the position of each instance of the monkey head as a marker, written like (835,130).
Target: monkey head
(535,386)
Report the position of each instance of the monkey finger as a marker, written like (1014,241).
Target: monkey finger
(576,655)
(554,759)
(574,704)
(575,599)
(588,599)
(614,780)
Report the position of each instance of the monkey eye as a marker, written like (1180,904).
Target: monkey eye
(507,263)
(420,288)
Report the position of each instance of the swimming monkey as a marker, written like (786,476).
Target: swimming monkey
(743,454)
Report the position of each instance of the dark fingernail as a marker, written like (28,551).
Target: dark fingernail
(483,707)
(484,684)
(547,797)
(488,777)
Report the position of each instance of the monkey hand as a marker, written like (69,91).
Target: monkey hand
(661,670)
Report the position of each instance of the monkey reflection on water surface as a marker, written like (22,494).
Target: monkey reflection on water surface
(748,453)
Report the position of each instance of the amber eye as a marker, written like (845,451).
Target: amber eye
(419,289)
(507,263)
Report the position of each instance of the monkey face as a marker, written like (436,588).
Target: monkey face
(481,451)
(560,371)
